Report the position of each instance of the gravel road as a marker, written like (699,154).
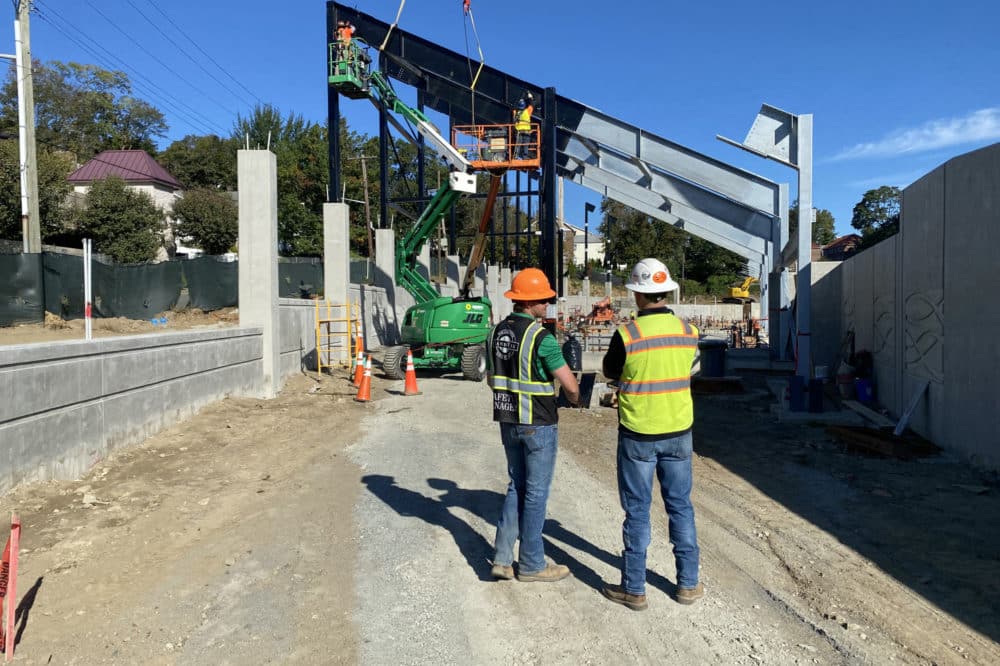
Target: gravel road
(315,530)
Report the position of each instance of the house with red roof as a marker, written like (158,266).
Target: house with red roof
(140,172)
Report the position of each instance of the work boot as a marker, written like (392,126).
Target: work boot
(618,595)
(502,572)
(549,574)
(689,595)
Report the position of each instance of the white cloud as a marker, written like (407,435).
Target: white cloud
(897,179)
(982,125)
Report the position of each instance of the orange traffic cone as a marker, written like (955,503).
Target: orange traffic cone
(411,376)
(359,340)
(365,390)
(359,368)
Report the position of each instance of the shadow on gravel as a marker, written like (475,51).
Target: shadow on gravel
(476,549)
(486,504)
(931,523)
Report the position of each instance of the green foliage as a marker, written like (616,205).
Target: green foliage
(822,230)
(123,223)
(84,109)
(53,168)
(300,148)
(876,216)
(210,218)
(202,161)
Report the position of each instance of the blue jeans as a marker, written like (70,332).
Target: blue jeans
(531,459)
(671,459)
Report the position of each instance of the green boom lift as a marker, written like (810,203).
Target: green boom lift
(443,332)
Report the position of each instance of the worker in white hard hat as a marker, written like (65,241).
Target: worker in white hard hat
(651,359)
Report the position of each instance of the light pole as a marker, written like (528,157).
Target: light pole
(587,208)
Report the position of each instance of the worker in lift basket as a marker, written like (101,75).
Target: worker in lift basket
(651,358)
(344,33)
(523,358)
(522,125)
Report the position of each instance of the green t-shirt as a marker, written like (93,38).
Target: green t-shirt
(550,357)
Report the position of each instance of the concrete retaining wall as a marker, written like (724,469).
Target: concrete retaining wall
(894,295)
(66,405)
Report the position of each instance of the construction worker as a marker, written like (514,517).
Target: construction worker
(651,358)
(345,31)
(524,139)
(523,358)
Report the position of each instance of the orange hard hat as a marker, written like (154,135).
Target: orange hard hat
(530,285)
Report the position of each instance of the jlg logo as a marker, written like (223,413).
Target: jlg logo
(473,318)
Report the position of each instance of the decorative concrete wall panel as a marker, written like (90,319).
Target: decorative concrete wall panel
(921,290)
(884,330)
(971,281)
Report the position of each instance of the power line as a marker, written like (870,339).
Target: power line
(156,58)
(188,55)
(203,52)
(193,118)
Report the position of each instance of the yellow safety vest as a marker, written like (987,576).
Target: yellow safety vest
(654,394)
(523,122)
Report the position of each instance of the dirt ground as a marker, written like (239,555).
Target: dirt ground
(56,328)
(312,529)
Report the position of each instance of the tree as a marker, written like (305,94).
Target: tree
(53,168)
(822,230)
(123,223)
(876,216)
(210,218)
(202,161)
(84,109)
(300,148)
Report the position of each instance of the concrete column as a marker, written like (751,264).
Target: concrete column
(336,252)
(257,178)
(607,287)
(337,261)
(492,284)
(677,296)
(424,261)
(503,305)
(454,264)
(586,294)
(385,277)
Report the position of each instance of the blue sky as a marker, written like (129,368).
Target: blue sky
(895,88)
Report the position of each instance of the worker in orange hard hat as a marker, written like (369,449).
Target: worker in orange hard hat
(523,359)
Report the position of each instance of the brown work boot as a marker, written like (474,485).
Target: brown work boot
(549,574)
(689,595)
(502,572)
(618,595)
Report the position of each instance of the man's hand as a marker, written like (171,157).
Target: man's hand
(568,381)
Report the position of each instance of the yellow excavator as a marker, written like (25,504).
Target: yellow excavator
(741,294)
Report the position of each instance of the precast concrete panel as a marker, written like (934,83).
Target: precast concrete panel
(971,279)
(921,291)
(884,317)
(75,402)
(864,318)
(827,291)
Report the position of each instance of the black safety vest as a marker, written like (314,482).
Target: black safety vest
(520,393)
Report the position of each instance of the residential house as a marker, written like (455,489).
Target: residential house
(140,172)
(842,248)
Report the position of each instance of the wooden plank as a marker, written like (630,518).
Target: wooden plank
(869,414)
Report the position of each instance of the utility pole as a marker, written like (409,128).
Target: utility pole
(30,223)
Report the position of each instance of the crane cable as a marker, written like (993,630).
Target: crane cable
(467,19)
(399,13)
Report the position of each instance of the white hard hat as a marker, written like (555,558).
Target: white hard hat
(650,276)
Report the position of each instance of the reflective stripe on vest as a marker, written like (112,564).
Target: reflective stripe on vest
(522,386)
(654,391)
